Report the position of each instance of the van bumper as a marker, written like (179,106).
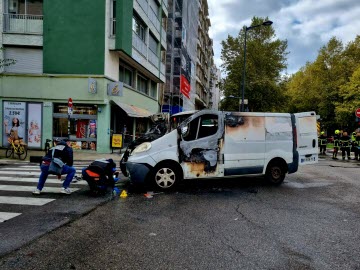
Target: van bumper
(137,172)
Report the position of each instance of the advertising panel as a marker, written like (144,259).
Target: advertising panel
(34,125)
(14,120)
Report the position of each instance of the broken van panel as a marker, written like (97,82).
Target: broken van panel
(217,144)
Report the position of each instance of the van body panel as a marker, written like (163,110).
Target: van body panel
(244,143)
(307,143)
(166,148)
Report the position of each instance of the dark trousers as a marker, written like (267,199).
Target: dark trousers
(97,185)
(345,150)
(322,149)
(357,152)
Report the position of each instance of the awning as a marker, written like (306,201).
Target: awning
(133,111)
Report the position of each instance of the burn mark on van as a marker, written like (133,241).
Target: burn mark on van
(247,127)
(200,145)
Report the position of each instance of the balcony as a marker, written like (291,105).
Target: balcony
(154,19)
(24,24)
(153,58)
(144,5)
(139,44)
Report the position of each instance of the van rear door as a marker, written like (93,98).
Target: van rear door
(307,145)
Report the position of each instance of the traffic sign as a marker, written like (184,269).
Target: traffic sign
(70,103)
(357,112)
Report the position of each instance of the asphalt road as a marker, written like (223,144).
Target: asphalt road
(309,222)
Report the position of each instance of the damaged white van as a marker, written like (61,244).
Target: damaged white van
(227,144)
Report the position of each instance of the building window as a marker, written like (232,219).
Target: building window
(143,84)
(139,28)
(153,89)
(126,75)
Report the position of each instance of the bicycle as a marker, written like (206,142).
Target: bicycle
(17,148)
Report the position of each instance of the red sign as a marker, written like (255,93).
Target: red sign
(185,86)
(357,113)
(70,103)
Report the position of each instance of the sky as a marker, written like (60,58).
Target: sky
(307,25)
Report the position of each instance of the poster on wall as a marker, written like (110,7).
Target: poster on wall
(14,119)
(34,124)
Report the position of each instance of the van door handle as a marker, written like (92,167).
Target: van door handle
(314,143)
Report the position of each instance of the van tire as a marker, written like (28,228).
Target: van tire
(275,173)
(165,176)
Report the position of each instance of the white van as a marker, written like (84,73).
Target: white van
(226,144)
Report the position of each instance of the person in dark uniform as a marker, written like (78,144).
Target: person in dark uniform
(322,142)
(345,145)
(356,145)
(100,175)
(336,143)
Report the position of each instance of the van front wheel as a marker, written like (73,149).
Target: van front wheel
(165,176)
(275,174)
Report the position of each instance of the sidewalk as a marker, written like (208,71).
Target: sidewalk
(81,155)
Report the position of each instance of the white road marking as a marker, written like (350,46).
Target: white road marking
(24,200)
(30,189)
(35,180)
(7,215)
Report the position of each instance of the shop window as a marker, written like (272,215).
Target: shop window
(83,125)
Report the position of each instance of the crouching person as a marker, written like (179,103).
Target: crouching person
(100,175)
(64,152)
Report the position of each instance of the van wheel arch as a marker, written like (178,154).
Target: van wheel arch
(276,171)
(166,175)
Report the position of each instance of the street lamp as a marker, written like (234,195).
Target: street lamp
(266,23)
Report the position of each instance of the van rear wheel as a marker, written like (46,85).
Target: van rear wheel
(165,176)
(275,173)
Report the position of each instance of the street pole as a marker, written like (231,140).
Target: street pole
(266,23)
(241,106)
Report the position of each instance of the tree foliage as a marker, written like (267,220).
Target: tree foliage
(265,59)
(328,84)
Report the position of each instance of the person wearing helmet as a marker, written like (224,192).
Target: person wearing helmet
(336,143)
(353,136)
(322,139)
(356,144)
(345,144)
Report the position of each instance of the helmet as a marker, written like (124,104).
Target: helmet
(322,133)
(354,133)
(337,131)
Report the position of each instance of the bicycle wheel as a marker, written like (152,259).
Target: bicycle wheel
(10,151)
(22,152)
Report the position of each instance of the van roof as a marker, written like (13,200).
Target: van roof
(185,113)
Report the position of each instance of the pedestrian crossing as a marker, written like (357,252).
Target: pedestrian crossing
(18,180)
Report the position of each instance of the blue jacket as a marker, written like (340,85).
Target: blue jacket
(62,151)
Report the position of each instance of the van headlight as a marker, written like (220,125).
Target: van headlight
(142,148)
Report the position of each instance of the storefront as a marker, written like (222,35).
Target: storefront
(83,125)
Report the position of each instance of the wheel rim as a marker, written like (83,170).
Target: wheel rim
(276,173)
(9,152)
(165,178)
(22,153)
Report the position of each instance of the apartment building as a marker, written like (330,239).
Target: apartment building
(189,57)
(106,58)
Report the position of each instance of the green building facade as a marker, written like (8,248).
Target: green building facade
(106,56)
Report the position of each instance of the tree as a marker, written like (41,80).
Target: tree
(6,62)
(266,58)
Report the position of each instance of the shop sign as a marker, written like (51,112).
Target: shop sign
(92,87)
(115,89)
(185,86)
(116,141)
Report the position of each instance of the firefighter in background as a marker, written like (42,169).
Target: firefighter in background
(356,144)
(322,139)
(345,144)
(336,143)
(353,136)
